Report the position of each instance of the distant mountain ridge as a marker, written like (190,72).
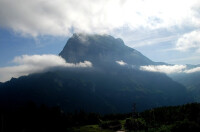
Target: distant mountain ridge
(191,82)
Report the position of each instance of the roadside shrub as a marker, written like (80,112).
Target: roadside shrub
(135,124)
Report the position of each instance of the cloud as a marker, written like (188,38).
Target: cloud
(152,41)
(62,17)
(35,63)
(197,69)
(164,68)
(189,41)
(169,69)
(121,62)
(189,60)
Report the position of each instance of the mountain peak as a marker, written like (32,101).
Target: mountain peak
(93,38)
(101,49)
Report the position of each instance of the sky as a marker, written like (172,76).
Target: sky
(163,30)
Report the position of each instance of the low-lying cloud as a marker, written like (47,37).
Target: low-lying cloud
(121,62)
(164,68)
(197,69)
(27,64)
(169,69)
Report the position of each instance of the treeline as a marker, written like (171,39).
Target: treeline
(173,119)
(31,118)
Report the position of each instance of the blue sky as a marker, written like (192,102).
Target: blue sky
(13,44)
(163,30)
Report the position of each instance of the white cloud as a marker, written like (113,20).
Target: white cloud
(197,69)
(169,69)
(121,62)
(189,60)
(62,17)
(152,41)
(189,41)
(35,63)
(164,68)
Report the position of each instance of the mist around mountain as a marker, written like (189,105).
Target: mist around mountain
(111,85)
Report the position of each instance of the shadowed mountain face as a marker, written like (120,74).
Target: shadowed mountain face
(191,82)
(95,91)
(100,49)
(114,88)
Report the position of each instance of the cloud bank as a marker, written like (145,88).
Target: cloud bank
(121,62)
(197,69)
(62,17)
(164,68)
(169,69)
(36,63)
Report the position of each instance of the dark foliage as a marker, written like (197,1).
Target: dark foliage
(172,114)
(113,125)
(31,118)
(180,118)
(135,124)
(118,116)
(185,126)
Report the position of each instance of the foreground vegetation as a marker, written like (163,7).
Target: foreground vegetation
(30,118)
